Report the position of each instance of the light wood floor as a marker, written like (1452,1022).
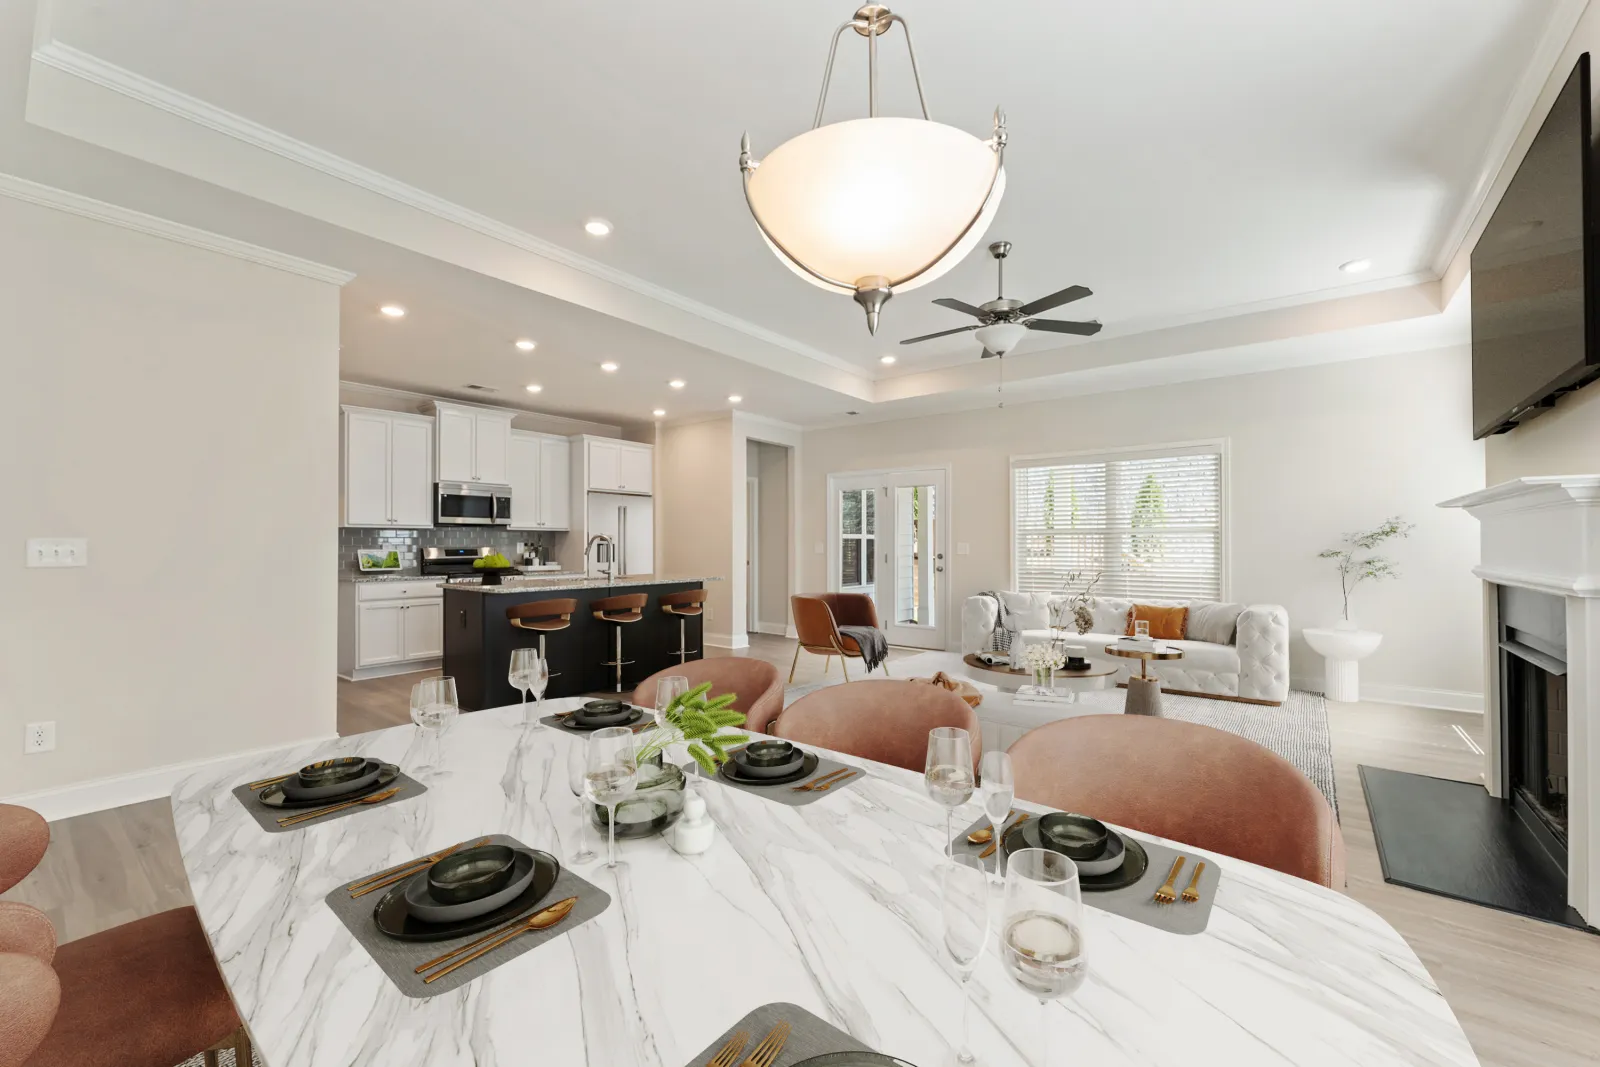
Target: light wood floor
(1528,993)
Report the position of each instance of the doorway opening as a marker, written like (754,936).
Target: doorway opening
(887,539)
(767,542)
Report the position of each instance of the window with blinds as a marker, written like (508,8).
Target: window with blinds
(1150,524)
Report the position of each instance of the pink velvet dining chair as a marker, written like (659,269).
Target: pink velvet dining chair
(1185,782)
(756,683)
(885,720)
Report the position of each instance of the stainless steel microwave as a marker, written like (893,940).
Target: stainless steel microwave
(472,504)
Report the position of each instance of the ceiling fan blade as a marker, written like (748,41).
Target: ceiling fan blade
(1082,329)
(941,333)
(1055,300)
(959,305)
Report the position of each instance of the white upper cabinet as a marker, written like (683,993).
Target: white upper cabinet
(555,483)
(605,465)
(524,480)
(387,472)
(634,468)
(473,444)
(541,481)
(619,466)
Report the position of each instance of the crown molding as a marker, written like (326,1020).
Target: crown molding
(80,64)
(579,426)
(49,196)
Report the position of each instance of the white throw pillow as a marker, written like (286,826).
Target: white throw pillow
(1029,611)
(1111,615)
(1216,623)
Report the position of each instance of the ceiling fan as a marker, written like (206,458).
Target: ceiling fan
(1003,323)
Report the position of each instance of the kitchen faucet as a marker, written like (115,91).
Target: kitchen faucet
(603,557)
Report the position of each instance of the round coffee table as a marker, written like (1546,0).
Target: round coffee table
(1144,692)
(1010,679)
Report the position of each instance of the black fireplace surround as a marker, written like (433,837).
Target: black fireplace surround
(1533,701)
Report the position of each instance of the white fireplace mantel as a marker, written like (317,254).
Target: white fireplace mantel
(1539,533)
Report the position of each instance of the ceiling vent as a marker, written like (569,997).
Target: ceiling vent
(480,388)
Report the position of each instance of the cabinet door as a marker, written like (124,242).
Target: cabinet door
(379,636)
(523,477)
(455,430)
(491,441)
(555,484)
(423,629)
(604,460)
(633,469)
(366,470)
(411,473)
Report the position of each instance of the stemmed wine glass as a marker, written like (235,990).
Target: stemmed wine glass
(1041,934)
(668,689)
(577,768)
(610,774)
(947,775)
(434,708)
(998,788)
(528,673)
(964,896)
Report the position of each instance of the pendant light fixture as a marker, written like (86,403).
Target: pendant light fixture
(875,206)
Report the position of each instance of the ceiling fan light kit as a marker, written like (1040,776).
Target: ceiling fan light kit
(875,206)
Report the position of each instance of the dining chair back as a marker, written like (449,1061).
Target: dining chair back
(883,720)
(24,836)
(817,618)
(1190,783)
(757,685)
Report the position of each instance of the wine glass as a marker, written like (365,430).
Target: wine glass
(998,788)
(434,707)
(528,673)
(577,767)
(668,689)
(964,899)
(947,775)
(610,774)
(1041,933)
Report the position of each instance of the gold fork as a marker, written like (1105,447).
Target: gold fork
(730,1051)
(1192,894)
(845,777)
(294,820)
(1165,895)
(405,870)
(770,1046)
(808,786)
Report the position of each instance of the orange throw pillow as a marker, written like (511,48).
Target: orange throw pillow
(1166,624)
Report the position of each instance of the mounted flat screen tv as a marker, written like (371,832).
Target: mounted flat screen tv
(1533,275)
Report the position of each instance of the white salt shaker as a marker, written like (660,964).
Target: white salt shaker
(694,831)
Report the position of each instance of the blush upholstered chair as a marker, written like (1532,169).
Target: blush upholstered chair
(757,684)
(144,994)
(1195,784)
(885,720)
(817,618)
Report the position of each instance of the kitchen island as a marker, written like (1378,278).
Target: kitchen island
(478,638)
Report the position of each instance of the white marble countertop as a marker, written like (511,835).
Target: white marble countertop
(534,583)
(832,906)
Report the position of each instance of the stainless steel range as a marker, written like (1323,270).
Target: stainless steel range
(452,563)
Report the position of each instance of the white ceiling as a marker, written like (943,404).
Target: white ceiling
(1197,166)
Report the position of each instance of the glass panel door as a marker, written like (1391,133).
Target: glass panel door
(888,542)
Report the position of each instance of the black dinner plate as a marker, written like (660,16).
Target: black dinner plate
(573,722)
(294,790)
(273,796)
(730,771)
(854,1059)
(1134,863)
(394,919)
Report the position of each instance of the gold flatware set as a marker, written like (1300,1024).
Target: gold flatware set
(986,853)
(729,1053)
(1167,893)
(542,919)
(385,879)
(826,782)
(766,1052)
(307,816)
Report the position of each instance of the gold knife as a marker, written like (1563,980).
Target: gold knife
(541,920)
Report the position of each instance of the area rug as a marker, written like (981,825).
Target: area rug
(225,1058)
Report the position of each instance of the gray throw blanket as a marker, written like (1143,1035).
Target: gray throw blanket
(874,646)
(1000,638)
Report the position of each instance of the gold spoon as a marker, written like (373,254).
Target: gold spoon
(981,837)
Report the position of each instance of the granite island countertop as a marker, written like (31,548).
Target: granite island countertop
(531,584)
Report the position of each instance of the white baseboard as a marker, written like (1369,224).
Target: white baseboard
(725,640)
(80,798)
(777,629)
(387,670)
(1417,696)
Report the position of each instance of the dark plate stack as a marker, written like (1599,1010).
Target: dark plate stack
(465,892)
(1106,860)
(597,714)
(346,778)
(768,763)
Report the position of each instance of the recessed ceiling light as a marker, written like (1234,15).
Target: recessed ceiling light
(535,388)
(735,398)
(659,413)
(609,368)
(886,360)
(394,311)
(597,227)
(677,383)
(1356,266)
(526,345)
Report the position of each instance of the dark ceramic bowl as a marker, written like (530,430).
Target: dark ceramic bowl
(1077,837)
(604,713)
(471,873)
(769,753)
(332,771)
(420,902)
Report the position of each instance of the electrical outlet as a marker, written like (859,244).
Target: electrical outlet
(58,551)
(710,613)
(38,737)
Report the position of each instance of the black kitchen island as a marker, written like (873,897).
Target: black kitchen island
(478,638)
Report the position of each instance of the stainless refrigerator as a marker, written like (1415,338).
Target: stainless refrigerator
(630,522)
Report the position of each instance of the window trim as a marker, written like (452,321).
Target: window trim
(1220,446)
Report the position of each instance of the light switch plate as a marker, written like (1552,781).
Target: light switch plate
(58,551)
(963,548)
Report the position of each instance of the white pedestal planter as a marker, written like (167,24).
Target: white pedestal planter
(1343,650)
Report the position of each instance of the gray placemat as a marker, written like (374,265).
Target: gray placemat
(267,818)
(399,959)
(787,793)
(808,1036)
(1137,901)
(558,722)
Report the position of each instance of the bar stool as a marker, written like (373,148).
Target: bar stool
(683,605)
(543,617)
(620,610)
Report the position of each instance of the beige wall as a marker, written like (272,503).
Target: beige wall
(1564,440)
(769,465)
(1312,452)
(176,407)
(695,503)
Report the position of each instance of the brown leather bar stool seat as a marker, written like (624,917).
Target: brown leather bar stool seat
(620,610)
(683,605)
(543,617)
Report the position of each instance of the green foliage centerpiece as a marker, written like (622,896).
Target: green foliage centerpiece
(694,718)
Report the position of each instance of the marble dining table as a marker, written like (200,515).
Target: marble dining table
(833,906)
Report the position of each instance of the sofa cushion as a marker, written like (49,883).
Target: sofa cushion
(1166,624)
(1029,611)
(1110,614)
(1216,623)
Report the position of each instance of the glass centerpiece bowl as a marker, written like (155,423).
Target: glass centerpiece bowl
(654,805)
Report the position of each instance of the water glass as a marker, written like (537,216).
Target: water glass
(1141,629)
(577,767)
(947,775)
(1041,932)
(610,774)
(434,707)
(668,689)
(964,903)
(997,788)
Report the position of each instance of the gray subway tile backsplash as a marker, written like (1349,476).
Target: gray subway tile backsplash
(408,544)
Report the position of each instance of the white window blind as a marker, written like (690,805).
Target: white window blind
(1150,524)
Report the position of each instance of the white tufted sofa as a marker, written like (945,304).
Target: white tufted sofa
(1254,668)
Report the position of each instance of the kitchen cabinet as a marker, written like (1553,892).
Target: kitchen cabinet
(541,481)
(387,473)
(473,444)
(390,627)
(379,634)
(620,466)
(422,630)
(605,465)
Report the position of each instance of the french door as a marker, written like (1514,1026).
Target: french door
(887,539)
